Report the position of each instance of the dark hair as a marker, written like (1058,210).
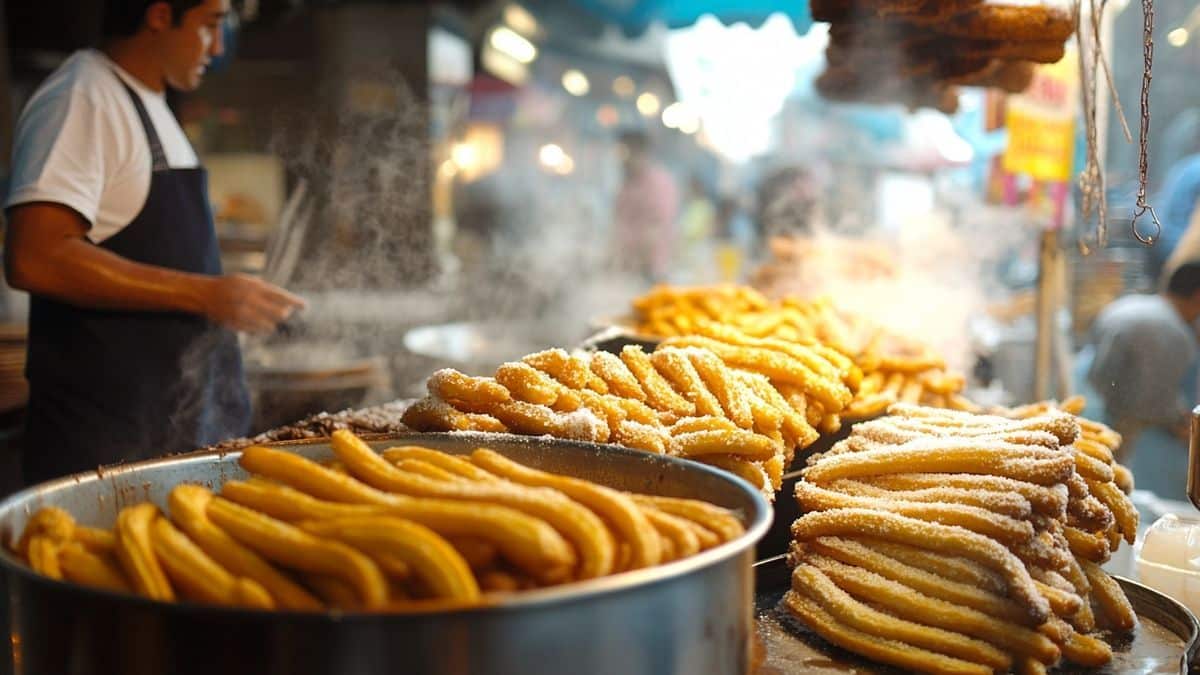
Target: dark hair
(123,18)
(1185,281)
(635,140)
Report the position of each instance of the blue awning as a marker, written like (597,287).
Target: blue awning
(634,16)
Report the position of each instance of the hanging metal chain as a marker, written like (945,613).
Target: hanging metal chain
(1144,142)
(1091,179)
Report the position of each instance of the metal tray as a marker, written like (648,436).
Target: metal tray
(1167,640)
(690,616)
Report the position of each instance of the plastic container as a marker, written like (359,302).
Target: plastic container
(1167,558)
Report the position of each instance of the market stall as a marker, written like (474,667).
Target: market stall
(804,472)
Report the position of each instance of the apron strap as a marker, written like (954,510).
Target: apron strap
(158,158)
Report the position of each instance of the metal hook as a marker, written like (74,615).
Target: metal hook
(1147,240)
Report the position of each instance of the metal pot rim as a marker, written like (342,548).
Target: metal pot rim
(577,591)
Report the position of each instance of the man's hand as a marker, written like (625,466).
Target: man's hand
(46,252)
(248,304)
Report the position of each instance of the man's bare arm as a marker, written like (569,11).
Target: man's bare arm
(46,253)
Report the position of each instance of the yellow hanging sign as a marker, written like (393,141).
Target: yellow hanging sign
(1041,123)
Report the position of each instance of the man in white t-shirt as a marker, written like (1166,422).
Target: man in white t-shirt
(131,349)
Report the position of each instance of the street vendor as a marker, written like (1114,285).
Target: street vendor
(1145,347)
(132,349)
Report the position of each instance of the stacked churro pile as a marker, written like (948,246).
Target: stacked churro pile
(950,542)
(740,403)
(894,368)
(918,52)
(407,529)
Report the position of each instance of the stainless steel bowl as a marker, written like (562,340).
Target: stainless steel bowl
(690,616)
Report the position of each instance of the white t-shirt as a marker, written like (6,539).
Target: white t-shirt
(79,143)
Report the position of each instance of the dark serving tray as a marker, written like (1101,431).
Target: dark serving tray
(1166,641)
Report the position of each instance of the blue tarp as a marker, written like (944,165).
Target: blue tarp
(634,16)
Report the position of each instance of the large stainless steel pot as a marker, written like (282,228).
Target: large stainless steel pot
(691,616)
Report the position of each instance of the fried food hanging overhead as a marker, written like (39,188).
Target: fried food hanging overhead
(916,52)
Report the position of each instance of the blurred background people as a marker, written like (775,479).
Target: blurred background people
(1144,348)
(646,211)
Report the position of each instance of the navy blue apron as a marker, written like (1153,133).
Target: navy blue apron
(113,386)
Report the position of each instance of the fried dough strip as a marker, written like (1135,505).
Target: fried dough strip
(292,547)
(1009,531)
(717,520)
(1041,466)
(617,509)
(82,566)
(527,542)
(450,385)
(431,558)
(945,539)
(1062,602)
(689,425)
(333,591)
(1109,597)
(197,575)
(723,385)
(845,609)
(795,427)
(529,384)
(1064,427)
(754,473)
(737,442)
(189,510)
(676,530)
(912,605)
(1084,620)
(572,371)
(640,436)
(1123,477)
(659,394)
(767,418)
(420,467)
(136,552)
(582,527)
(1122,509)
(776,366)
(42,553)
(434,414)
(1004,503)
(455,464)
(891,652)
(478,553)
(1046,500)
(538,420)
(620,380)
(675,367)
(981,599)
(1095,449)
(1077,648)
(49,522)
(95,540)
(1086,545)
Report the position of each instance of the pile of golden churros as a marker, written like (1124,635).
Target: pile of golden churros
(918,52)
(951,542)
(407,529)
(740,403)
(894,368)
